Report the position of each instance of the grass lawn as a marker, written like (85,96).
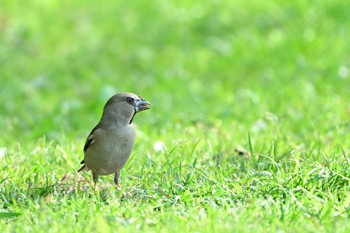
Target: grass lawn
(248,131)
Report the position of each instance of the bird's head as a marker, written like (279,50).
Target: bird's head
(121,108)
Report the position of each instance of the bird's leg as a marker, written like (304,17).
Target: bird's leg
(95,178)
(116,179)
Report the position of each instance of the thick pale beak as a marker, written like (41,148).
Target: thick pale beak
(141,105)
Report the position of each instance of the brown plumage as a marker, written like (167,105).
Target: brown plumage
(109,145)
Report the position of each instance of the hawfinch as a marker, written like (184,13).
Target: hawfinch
(109,145)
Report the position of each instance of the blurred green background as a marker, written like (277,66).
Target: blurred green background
(216,62)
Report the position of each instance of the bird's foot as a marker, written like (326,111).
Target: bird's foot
(96,187)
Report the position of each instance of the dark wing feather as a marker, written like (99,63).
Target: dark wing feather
(89,140)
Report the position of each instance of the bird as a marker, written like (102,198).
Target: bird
(110,143)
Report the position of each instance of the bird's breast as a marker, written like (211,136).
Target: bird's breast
(111,150)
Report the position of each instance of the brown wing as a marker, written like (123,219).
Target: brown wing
(90,138)
(89,141)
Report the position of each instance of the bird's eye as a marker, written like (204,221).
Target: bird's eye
(130,100)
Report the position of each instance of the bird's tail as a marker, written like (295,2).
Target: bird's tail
(83,168)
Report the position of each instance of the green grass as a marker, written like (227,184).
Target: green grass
(250,100)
